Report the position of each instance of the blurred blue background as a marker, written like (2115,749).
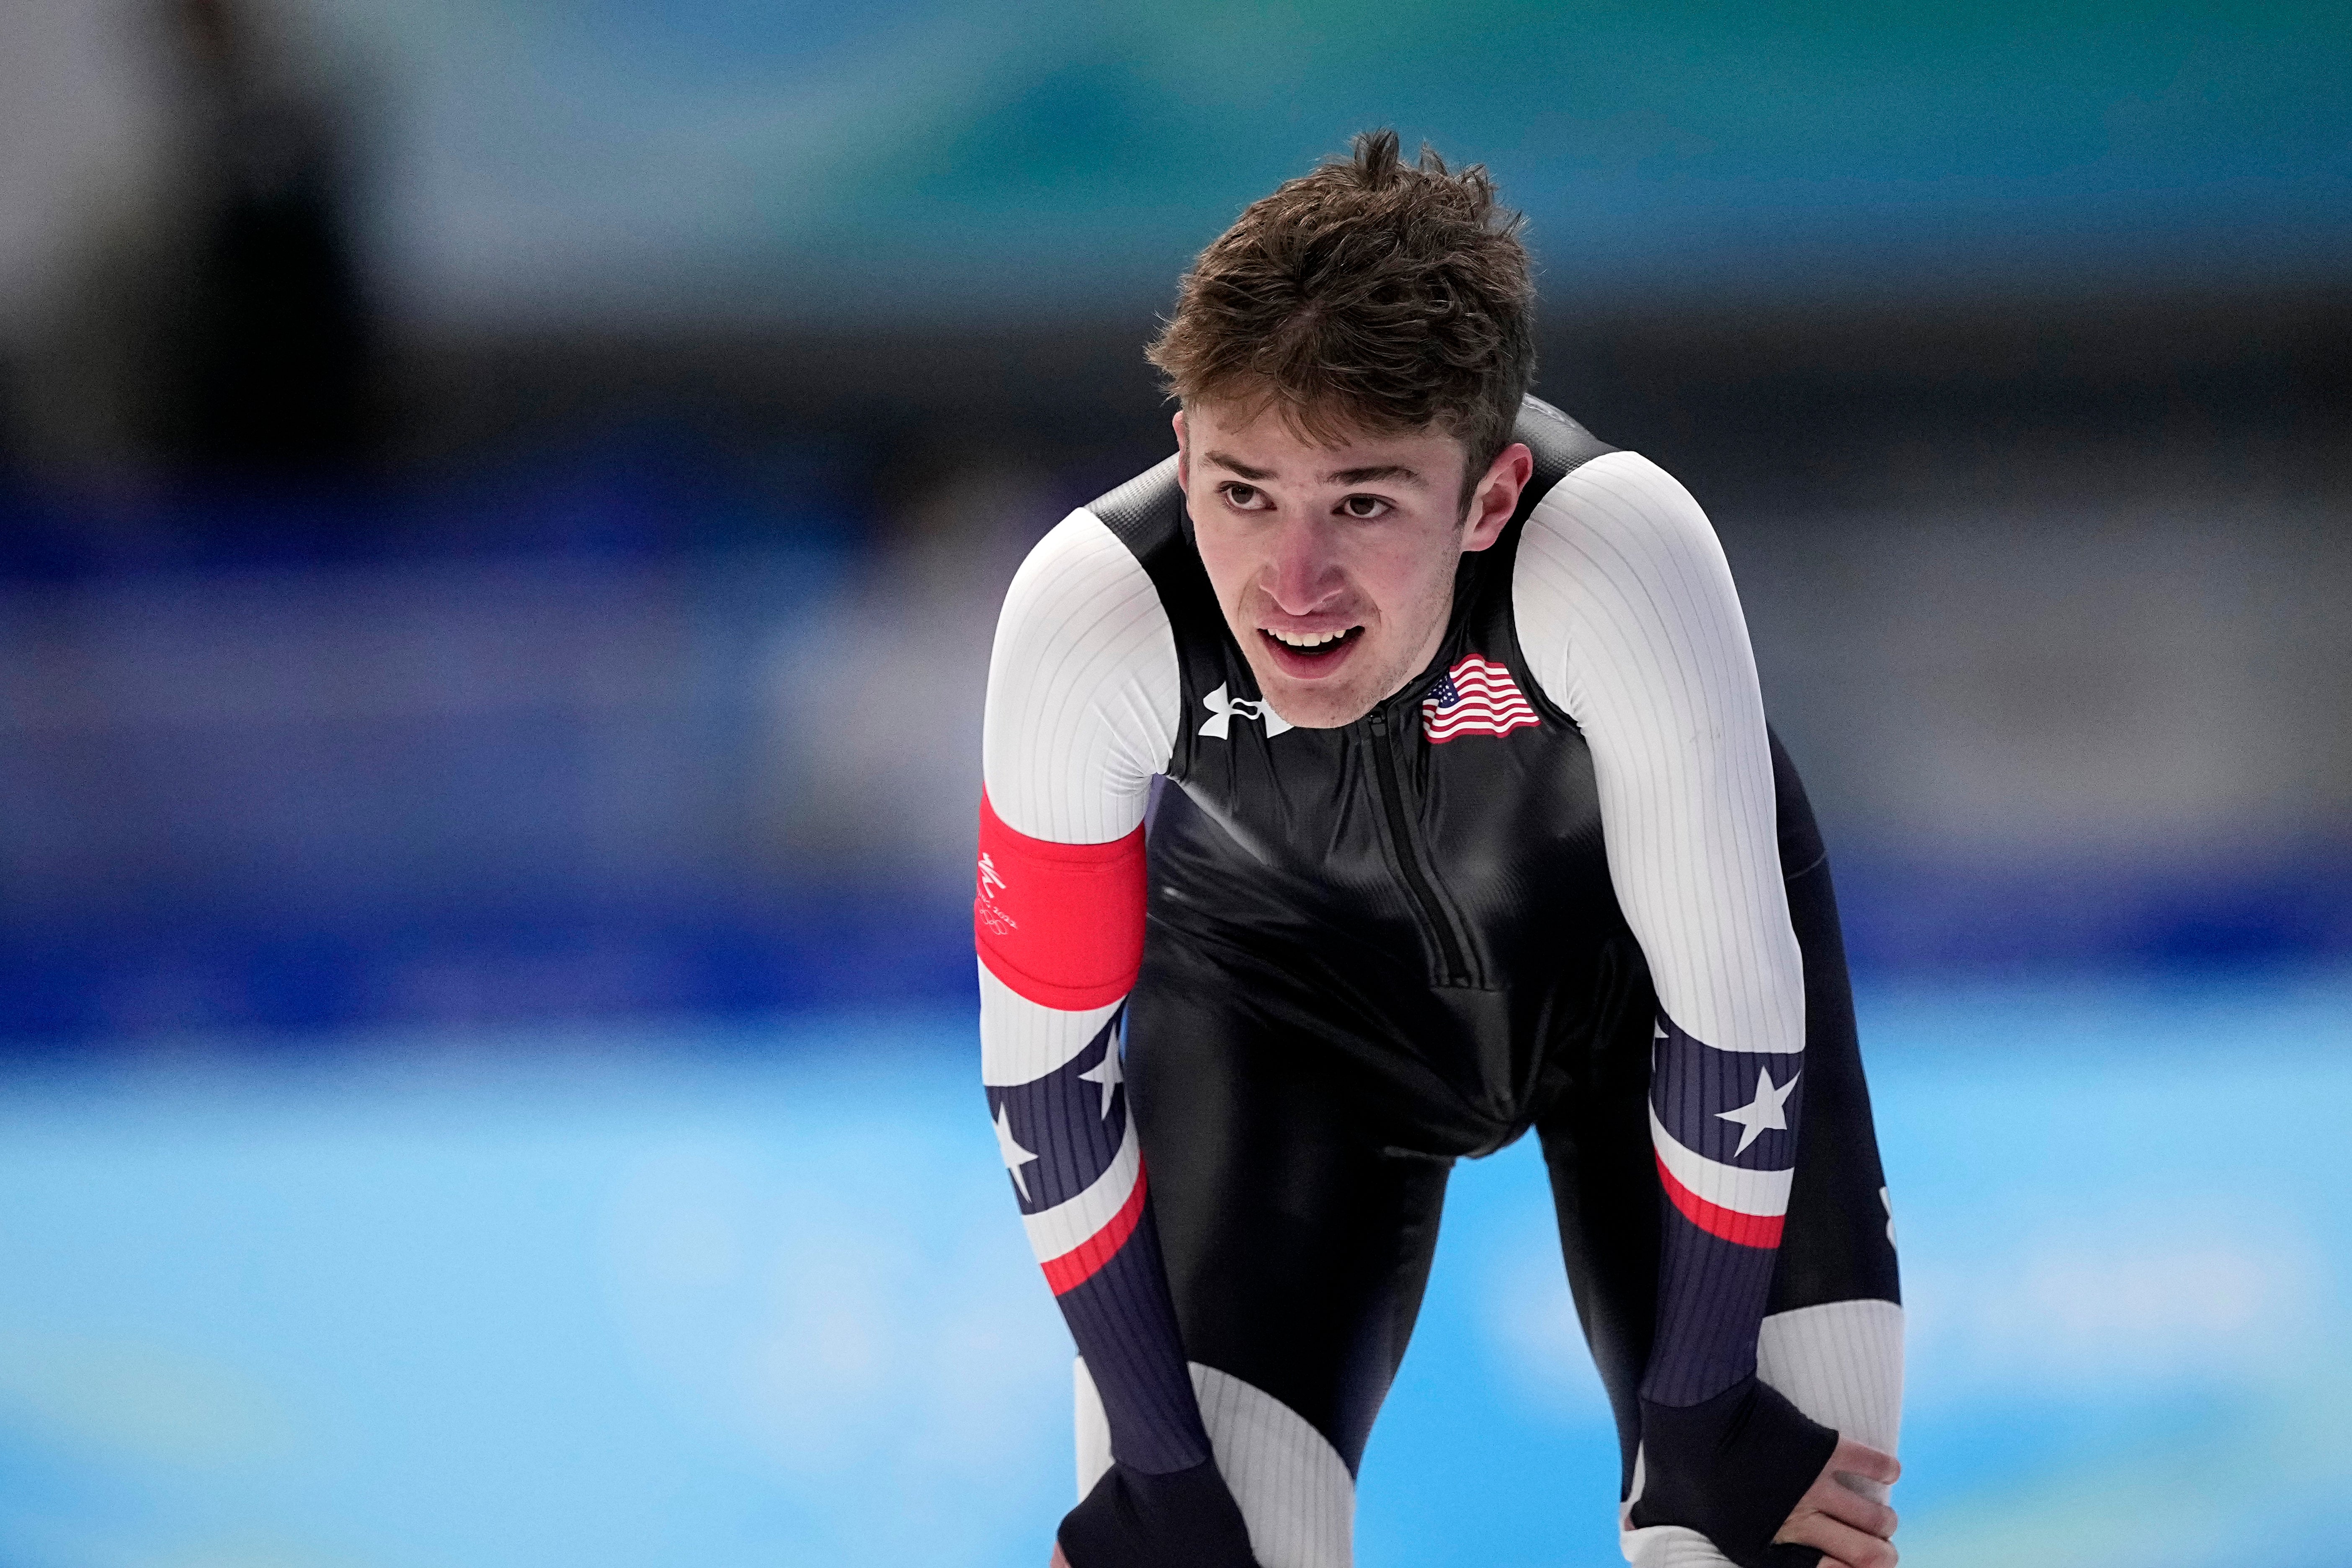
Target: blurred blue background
(502,508)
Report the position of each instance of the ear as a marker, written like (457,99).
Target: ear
(1497,496)
(1183,457)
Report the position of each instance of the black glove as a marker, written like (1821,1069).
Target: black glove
(1732,1469)
(1186,1519)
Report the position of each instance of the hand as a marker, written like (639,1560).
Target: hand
(1850,1529)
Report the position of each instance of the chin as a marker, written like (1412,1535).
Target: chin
(1315,704)
(1320,709)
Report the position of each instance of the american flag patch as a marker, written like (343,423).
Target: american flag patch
(1475,698)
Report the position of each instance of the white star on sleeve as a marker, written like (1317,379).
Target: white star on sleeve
(1013,1154)
(1106,1072)
(1766,1112)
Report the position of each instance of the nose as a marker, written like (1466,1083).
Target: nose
(1302,570)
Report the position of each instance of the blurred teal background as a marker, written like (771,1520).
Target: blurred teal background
(502,508)
(746,1294)
(695,157)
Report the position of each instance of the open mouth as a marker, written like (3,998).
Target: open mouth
(1305,653)
(1311,644)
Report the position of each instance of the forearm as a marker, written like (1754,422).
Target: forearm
(1840,1364)
(1059,931)
(1831,1340)
(1082,699)
(1723,1453)
(1722,1125)
(1634,629)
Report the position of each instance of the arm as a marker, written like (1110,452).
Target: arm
(1082,702)
(1631,624)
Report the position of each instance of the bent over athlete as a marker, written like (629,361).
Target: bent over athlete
(1471,825)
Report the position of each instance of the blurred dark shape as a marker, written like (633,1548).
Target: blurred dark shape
(204,315)
(265,364)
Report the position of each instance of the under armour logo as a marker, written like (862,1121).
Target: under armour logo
(1223,711)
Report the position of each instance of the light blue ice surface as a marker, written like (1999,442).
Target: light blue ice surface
(758,1296)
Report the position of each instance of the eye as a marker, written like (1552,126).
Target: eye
(1245,497)
(1364,507)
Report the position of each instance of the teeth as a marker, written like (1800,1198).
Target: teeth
(1307,639)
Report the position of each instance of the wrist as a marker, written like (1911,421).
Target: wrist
(1732,1467)
(1186,1519)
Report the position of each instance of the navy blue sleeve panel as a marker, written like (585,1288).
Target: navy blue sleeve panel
(1839,1243)
(1069,1145)
(1124,1327)
(1724,1128)
(1732,1464)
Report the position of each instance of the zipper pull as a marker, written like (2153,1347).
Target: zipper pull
(1379,723)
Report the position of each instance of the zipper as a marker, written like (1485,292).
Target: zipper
(1425,902)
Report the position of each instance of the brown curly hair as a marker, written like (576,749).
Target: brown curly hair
(1371,294)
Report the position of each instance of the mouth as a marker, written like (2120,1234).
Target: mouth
(1310,654)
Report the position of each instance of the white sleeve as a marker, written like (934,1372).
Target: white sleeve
(1083,696)
(1629,623)
(1082,689)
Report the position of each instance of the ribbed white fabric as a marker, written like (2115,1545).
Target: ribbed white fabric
(1021,1041)
(1840,1362)
(1631,624)
(1083,689)
(1294,1490)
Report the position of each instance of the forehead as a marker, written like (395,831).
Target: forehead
(1261,438)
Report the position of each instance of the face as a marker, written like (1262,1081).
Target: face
(1335,565)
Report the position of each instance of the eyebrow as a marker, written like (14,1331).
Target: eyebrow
(1237,465)
(1378,471)
(1364,476)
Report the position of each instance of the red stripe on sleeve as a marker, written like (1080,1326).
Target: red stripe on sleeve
(1084,1261)
(1747,1229)
(1060,923)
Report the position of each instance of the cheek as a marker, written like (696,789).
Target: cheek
(1405,577)
(1223,555)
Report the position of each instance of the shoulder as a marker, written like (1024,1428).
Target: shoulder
(1079,565)
(1621,501)
(1105,551)
(1560,446)
(1586,497)
(1147,513)
(1621,583)
(1081,616)
(1620,539)
(1081,687)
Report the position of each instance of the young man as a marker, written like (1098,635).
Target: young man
(1472,826)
